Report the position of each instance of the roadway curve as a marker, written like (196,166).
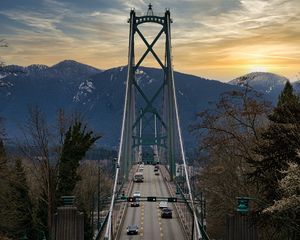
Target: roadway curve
(147,216)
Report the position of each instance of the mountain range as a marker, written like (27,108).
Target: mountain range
(99,95)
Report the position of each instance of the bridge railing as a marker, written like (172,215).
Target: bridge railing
(101,229)
(116,217)
(119,215)
(188,204)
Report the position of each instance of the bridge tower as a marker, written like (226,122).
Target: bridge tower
(150,114)
(151,119)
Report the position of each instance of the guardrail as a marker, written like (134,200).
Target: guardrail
(102,227)
(203,232)
(121,212)
(124,210)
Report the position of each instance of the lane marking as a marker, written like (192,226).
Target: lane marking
(158,213)
(141,233)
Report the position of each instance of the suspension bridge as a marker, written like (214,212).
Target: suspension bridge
(151,143)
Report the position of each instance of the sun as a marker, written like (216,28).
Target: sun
(258,68)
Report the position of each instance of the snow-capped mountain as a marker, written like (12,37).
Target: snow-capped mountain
(72,71)
(99,95)
(268,83)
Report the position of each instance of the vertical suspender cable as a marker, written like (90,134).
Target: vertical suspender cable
(140,140)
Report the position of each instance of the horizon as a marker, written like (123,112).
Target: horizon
(220,80)
(220,40)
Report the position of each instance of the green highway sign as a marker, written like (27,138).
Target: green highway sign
(243,204)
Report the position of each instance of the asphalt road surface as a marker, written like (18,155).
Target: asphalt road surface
(147,215)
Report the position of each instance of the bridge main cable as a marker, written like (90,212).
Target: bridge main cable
(108,233)
(198,232)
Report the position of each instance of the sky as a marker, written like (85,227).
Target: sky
(215,39)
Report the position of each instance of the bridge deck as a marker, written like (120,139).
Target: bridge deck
(147,216)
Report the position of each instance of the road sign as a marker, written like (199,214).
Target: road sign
(243,204)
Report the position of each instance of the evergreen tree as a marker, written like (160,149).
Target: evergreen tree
(22,202)
(41,216)
(16,211)
(77,142)
(287,109)
(5,220)
(279,146)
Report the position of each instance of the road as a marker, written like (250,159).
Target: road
(147,216)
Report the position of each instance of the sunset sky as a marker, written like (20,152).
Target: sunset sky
(217,39)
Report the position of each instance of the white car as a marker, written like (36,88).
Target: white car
(163,204)
(137,194)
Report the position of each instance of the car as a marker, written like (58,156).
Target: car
(135,204)
(156,173)
(138,177)
(132,230)
(163,204)
(137,194)
(166,213)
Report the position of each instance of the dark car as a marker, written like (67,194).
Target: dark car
(135,204)
(166,213)
(132,230)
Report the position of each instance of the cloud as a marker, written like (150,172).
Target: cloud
(206,34)
(32,19)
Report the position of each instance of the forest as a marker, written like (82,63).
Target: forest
(249,148)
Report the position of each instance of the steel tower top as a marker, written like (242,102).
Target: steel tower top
(150,10)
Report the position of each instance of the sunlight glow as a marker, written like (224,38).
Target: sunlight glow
(257,68)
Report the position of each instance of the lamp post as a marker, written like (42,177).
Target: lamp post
(98,195)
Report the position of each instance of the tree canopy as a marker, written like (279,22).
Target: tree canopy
(77,142)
